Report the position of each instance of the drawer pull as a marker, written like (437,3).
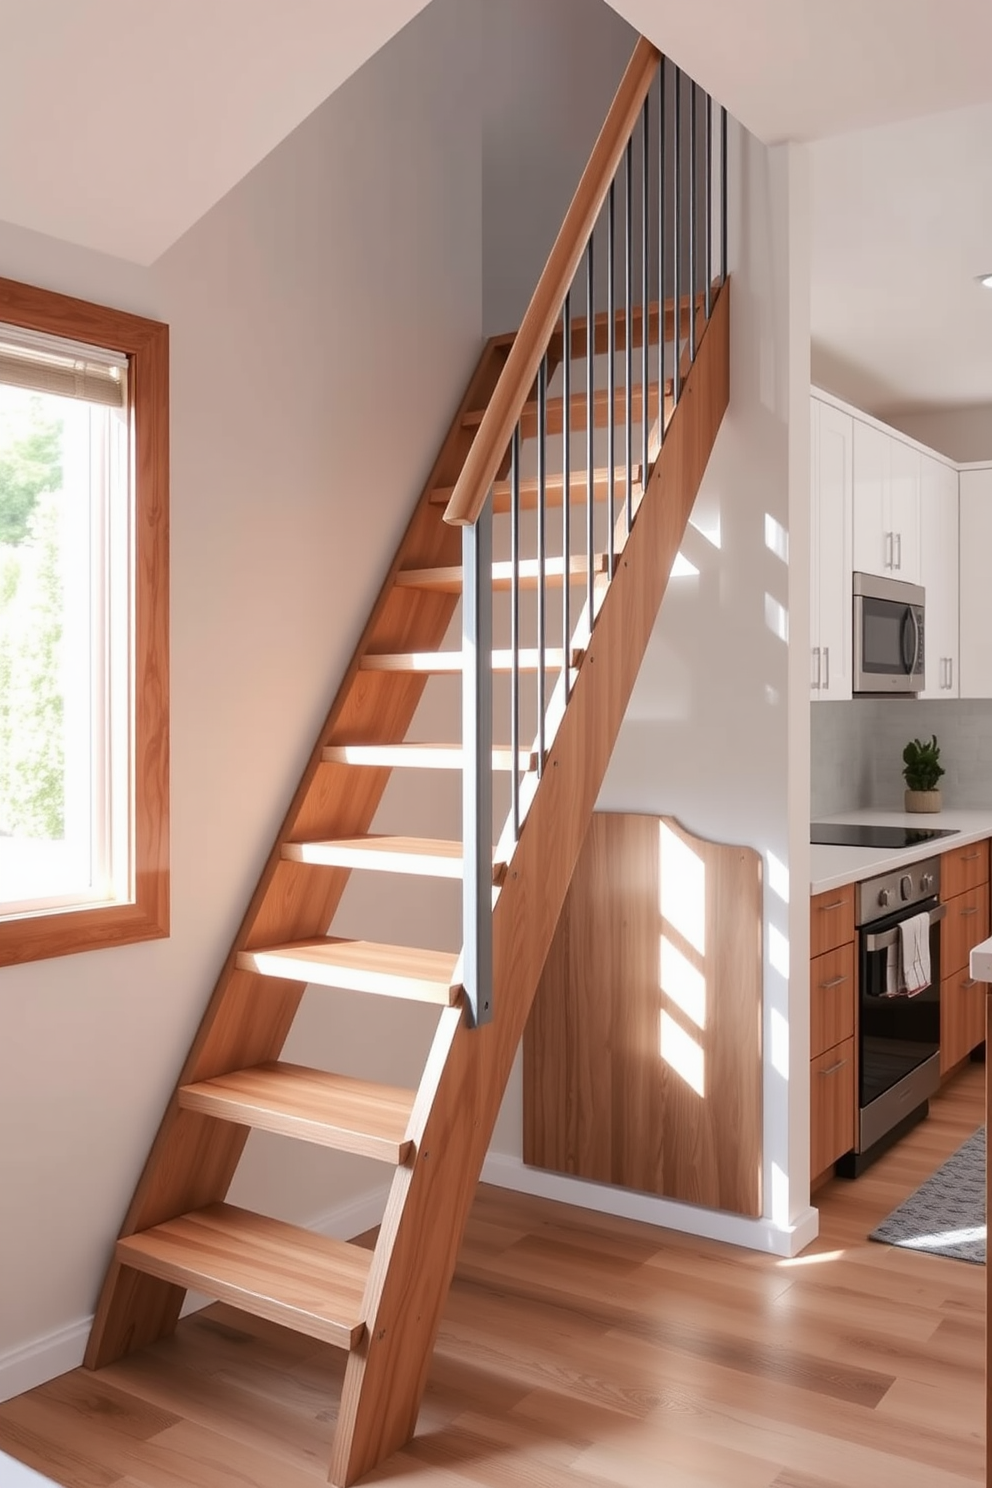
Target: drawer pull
(971,982)
(837,904)
(834,1067)
(966,912)
(970,857)
(834,982)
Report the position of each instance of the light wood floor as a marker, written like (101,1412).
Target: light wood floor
(588,1351)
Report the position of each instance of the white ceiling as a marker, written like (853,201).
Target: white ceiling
(191,94)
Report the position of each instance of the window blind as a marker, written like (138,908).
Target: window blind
(70,369)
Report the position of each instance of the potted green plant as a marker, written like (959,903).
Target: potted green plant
(922,770)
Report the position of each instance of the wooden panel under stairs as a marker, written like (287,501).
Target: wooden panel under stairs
(362,966)
(554,487)
(449,663)
(529,574)
(422,757)
(331,1110)
(273,1270)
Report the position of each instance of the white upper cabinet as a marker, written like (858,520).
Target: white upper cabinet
(976,544)
(886,505)
(939,574)
(831,449)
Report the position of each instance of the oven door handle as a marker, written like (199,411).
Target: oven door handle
(885,938)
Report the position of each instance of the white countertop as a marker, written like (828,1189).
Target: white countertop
(980,961)
(832,867)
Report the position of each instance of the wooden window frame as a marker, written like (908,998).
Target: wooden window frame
(34,935)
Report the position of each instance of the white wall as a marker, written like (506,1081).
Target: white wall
(716,733)
(325,316)
(963,434)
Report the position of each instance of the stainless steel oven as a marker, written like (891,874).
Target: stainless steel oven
(898,1034)
(889,636)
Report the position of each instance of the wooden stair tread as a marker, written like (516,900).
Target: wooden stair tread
(422,756)
(554,486)
(450,663)
(555,411)
(316,1106)
(362,966)
(450,580)
(427,856)
(307,1282)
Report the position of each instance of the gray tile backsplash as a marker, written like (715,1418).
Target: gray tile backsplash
(856,751)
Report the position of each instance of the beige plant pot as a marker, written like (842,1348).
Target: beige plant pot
(923,800)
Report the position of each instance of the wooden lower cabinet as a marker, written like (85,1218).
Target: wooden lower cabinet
(965,891)
(962,1018)
(831,1105)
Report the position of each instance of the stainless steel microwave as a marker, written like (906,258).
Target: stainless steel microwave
(889,655)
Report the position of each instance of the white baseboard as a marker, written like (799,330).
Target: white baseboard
(52,1354)
(712,1224)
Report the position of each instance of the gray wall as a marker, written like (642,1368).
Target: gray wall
(856,751)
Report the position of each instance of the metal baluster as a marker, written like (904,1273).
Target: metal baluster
(645,311)
(692,221)
(628,338)
(676,227)
(477,772)
(590,430)
(707,288)
(515,628)
(542,482)
(566,462)
(661,249)
(611,357)
(723,195)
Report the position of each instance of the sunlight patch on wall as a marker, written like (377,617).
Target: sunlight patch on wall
(682,1054)
(684,983)
(778,877)
(682,568)
(683,889)
(776,538)
(779,1044)
(776,617)
(778,952)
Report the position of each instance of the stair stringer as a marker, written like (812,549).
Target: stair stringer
(462,1090)
(194,1157)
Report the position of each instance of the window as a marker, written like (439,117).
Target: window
(83,626)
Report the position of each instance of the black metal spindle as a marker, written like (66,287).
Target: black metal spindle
(515,628)
(645,309)
(676,229)
(628,337)
(542,482)
(590,422)
(693,171)
(723,195)
(662,178)
(707,288)
(566,485)
(611,357)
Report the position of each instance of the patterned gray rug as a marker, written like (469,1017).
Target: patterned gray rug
(946,1215)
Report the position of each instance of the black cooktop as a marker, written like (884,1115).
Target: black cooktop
(850,834)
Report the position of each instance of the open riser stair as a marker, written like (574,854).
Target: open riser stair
(544,536)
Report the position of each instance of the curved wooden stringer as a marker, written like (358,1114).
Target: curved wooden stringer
(384,1306)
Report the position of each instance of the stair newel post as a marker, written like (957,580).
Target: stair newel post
(477,778)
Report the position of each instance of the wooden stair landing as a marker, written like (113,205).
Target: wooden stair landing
(274,1270)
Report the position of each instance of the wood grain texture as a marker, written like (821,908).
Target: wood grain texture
(146,344)
(450,663)
(554,489)
(601,329)
(831,919)
(832,1105)
(247,1018)
(362,966)
(529,573)
(645,1070)
(291,1276)
(385,1376)
(832,999)
(605,411)
(578,1350)
(964,868)
(482,464)
(965,925)
(336,1111)
(962,1017)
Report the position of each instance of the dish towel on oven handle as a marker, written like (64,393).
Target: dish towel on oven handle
(914,947)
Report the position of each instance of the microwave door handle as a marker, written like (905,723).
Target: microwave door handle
(916,641)
(910,658)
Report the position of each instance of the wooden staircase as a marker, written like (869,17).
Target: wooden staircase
(384,1306)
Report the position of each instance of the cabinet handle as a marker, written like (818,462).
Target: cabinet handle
(816,671)
(943,673)
(834,982)
(887,560)
(970,857)
(837,904)
(966,912)
(971,982)
(899,551)
(834,1067)
(950,672)
(826,668)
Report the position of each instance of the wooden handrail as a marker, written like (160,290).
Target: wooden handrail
(513,389)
